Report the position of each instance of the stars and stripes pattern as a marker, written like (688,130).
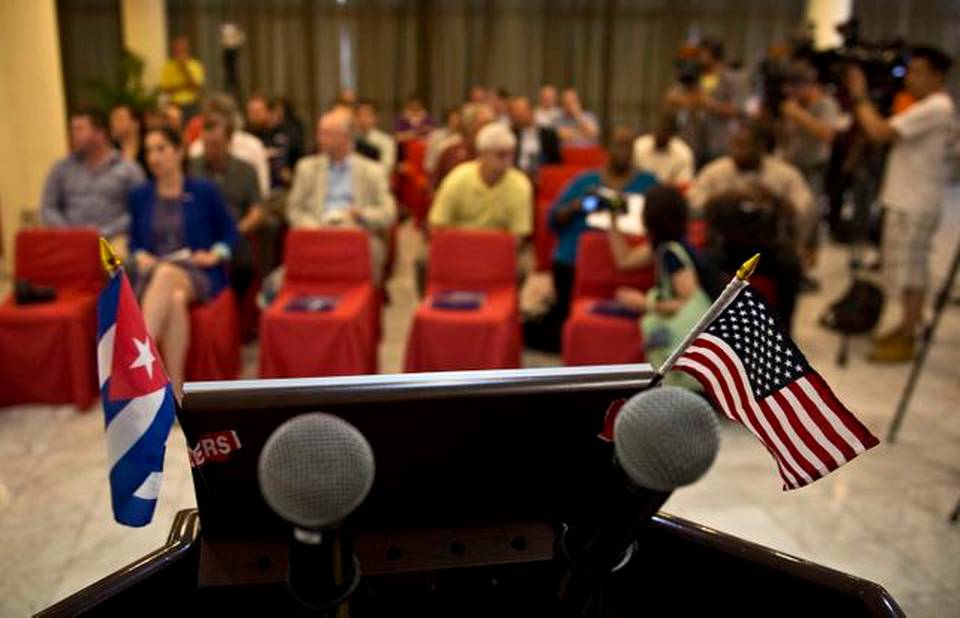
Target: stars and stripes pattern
(753,371)
(138,403)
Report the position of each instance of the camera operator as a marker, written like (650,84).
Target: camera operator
(811,120)
(916,176)
(706,102)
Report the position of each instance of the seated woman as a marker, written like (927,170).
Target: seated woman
(181,237)
(684,286)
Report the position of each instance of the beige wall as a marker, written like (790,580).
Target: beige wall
(32,113)
(145,33)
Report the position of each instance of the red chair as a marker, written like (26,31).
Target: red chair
(592,339)
(551,179)
(341,341)
(584,156)
(48,350)
(484,338)
(413,185)
(214,351)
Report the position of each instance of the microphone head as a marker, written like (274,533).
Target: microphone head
(665,438)
(315,470)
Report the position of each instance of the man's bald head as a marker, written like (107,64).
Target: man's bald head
(334,133)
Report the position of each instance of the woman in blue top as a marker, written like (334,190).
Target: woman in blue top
(181,237)
(568,220)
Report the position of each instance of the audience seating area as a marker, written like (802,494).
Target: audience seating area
(333,266)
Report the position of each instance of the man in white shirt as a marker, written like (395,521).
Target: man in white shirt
(365,124)
(663,154)
(917,172)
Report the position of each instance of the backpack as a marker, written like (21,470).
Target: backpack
(857,311)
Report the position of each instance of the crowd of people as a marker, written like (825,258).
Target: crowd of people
(200,183)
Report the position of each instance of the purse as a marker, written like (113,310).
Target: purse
(662,333)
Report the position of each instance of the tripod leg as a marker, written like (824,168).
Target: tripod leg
(925,342)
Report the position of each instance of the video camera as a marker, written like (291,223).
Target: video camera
(883,62)
(604,199)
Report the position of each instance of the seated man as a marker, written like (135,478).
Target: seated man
(488,193)
(283,146)
(338,188)
(568,221)
(547,112)
(536,146)
(243,145)
(475,117)
(237,181)
(663,154)
(89,188)
(442,137)
(576,126)
(365,124)
(768,192)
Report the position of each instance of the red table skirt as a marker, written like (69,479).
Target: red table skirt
(592,339)
(214,352)
(48,352)
(449,340)
(342,341)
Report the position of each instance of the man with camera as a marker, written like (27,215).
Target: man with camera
(917,172)
(811,120)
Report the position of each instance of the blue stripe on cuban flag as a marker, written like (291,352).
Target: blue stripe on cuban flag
(137,427)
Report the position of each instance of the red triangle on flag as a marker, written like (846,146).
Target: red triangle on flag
(137,368)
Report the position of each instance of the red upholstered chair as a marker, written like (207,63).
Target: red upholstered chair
(584,156)
(413,185)
(592,339)
(551,180)
(48,350)
(214,352)
(484,338)
(340,341)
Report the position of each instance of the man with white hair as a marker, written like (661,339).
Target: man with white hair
(338,188)
(487,193)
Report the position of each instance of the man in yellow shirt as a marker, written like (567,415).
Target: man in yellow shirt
(488,193)
(182,77)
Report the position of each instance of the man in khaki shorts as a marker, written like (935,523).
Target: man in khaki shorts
(916,176)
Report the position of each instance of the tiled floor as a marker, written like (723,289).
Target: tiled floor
(883,516)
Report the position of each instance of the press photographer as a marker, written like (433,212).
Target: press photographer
(916,175)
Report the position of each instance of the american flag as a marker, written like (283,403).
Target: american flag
(753,371)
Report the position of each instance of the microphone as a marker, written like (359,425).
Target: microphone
(314,471)
(663,438)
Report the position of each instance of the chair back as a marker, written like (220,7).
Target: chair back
(472,260)
(327,256)
(584,156)
(596,275)
(552,178)
(67,259)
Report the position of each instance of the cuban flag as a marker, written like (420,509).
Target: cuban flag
(137,401)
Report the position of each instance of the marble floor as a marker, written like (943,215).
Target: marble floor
(882,517)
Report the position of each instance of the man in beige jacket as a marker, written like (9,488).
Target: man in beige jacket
(337,188)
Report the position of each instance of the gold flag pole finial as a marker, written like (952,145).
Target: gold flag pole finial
(744,272)
(111,261)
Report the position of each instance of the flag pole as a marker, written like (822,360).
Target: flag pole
(737,283)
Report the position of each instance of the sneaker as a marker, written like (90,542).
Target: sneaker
(899,349)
